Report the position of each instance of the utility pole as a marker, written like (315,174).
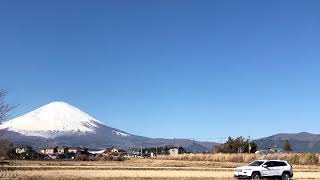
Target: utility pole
(141,151)
(249,146)
(156,151)
(221,140)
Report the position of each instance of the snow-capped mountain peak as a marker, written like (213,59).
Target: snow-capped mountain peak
(61,124)
(52,120)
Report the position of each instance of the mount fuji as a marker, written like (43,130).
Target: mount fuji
(59,123)
(53,120)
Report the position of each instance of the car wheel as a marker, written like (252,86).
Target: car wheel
(256,176)
(285,176)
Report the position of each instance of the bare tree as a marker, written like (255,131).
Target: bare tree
(5,108)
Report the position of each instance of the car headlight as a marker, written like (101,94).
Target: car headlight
(247,169)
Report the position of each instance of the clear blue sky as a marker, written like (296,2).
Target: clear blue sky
(193,69)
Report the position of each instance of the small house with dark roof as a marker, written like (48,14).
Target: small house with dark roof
(74,150)
(62,150)
(111,150)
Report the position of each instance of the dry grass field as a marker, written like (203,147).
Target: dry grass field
(171,168)
(293,158)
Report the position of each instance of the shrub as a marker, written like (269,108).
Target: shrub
(81,157)
(5,148)
(295,159)
(118,158)
(103,157)
(109,157)
(309,158)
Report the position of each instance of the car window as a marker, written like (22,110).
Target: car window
(256,163)
(270,164)
(279,163)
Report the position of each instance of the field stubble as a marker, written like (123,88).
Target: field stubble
(178,167)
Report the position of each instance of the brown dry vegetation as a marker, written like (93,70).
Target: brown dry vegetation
(293,158)
(179,167)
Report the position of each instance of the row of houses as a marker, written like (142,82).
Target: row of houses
(64,152)
(47,151)
(61,150)
(154,151)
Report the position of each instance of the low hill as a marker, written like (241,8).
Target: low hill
(300,142)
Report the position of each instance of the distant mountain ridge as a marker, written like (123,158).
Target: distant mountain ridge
(59,123)
(301,142)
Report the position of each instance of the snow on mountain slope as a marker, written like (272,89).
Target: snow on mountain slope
(60,124)
(52,120)
(120,133)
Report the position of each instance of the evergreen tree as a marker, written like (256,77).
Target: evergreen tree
(287,146)
(236,145)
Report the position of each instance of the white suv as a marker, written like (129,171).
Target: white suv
(265,168)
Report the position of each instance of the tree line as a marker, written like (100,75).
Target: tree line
(243,145)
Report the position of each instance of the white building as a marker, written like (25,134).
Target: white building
(174,151)
(23,149)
